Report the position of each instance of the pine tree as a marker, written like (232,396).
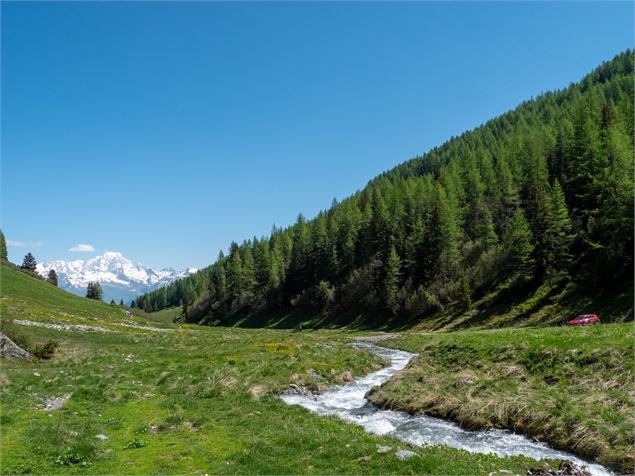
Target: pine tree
(121,302)
(297,278)
(536,197)
(235,277)
(587,163)
(112,302)
(220,279)
(248,268)
(478,218)
(3,248)
(518,242)
(94,291)
(29,262)
(52,277)
(449,233)
(187,297)
(465,293)
(392,277)
(616,218)
(509,197)
(380,225)
(559,228)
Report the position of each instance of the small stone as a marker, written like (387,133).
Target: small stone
(313,374)
(191,426)
(464,382)
(36,374)
(346,376)
(101,437)
(383,449)
(405,454)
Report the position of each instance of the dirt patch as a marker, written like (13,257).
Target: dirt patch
(85,328)
(376,338)
(62,327)
(258,391)
(54,403)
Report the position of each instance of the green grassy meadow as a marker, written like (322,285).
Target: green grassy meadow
(186,399)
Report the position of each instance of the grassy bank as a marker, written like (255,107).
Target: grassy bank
(185,399)
(570,387)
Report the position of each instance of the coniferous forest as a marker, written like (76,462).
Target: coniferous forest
(536,204)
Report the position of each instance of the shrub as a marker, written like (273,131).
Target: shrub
(45,351)
(422,302)
(13,331)
(326,293)
(135,443)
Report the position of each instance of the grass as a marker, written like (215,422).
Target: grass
(165,315)
(190,400)
(570,387)
(27,298)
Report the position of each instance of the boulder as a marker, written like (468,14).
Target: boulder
(11,350)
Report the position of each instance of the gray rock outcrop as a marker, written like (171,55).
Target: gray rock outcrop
(11,350)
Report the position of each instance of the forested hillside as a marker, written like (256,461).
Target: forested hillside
(533,208)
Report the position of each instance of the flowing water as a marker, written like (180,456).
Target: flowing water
(348,403)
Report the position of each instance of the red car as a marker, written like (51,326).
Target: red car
(585,320)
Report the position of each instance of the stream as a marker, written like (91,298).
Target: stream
(348,403)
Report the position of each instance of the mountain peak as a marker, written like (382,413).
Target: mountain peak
(120,277)
(111,254)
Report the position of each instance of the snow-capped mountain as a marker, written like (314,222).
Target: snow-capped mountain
(119,277)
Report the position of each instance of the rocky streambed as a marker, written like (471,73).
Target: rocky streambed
(348,402)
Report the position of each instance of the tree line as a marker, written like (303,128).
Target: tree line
(541,193)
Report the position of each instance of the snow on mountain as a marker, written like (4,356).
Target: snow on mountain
(119,277)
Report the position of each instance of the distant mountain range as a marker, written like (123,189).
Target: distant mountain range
(119,277)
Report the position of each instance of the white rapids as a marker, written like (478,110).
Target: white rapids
(348,403)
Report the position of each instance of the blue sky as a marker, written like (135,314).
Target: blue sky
(166,130)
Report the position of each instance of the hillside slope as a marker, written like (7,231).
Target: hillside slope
(26,298)
(523,220)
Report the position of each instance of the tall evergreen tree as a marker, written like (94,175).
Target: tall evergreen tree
(449,234)
(29,262)
(3,248)
(94,291)
(235,283)
(392,277)
(519,242)
(52,277)
(558,230)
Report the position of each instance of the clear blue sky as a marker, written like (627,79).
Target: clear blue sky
(167,130)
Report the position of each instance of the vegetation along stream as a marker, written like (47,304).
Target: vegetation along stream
(348,402)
